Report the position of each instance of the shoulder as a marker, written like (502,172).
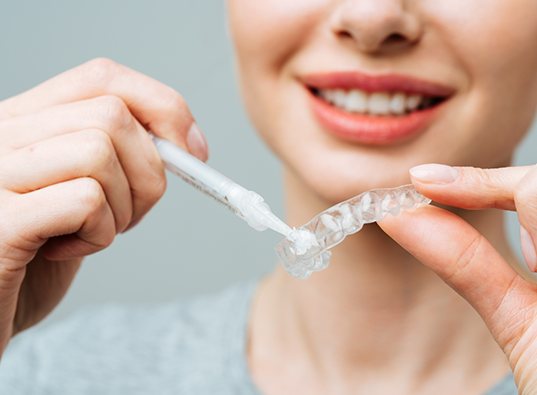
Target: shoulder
(142,346)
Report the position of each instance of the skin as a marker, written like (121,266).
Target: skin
(78,168)
(378,311)
(276,43)
(470,264)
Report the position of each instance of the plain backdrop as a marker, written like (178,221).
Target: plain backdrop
(187,245)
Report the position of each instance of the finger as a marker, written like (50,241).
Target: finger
(468,187)
(510,188)
(88,153)
(72,217)
(44,286)
(464,259)
(525,196)
(135,150)
(91,228)
(157,106)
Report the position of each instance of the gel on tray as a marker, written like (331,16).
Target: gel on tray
(305,249)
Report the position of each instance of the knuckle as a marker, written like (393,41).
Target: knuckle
(92,195)
(14,237)
(99,147)
(175,100)
(176,107)
(99,72)
(102,63)
(159,187)
(154,188)
(113,111)
(108,239)
(156,185)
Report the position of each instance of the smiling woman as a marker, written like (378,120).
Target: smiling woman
(425,47)
(352,95)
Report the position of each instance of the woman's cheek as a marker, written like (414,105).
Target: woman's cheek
(491,38)
(493,41)
(266,33)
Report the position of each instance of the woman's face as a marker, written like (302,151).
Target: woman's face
(352,93)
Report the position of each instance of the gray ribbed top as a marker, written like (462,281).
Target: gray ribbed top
(189,348)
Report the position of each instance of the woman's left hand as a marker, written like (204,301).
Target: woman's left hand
(468,263)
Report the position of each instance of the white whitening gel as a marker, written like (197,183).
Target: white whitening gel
(304,250)
(246,204)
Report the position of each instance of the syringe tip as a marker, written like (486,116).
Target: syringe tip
(259,216)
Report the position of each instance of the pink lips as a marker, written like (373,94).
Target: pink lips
(368,129)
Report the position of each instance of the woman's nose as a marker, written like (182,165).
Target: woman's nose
(377,25)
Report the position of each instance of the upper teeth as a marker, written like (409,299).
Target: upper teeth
(377,103)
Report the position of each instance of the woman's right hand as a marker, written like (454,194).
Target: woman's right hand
(77,166)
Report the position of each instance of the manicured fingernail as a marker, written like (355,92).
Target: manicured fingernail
(433,173)
(196,143)
(528,249)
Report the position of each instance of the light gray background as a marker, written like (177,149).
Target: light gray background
(188,244)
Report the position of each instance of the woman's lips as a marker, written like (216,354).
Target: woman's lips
(367,129)
(378,83)
(372,129)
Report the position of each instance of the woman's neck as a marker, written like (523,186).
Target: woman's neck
(374,313)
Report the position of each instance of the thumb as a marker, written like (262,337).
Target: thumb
(464,259)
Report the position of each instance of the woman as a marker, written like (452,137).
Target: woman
(351,94)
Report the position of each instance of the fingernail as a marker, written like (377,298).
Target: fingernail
(528,249)
(196,143)
(433,173)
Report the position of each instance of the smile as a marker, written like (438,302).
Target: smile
(378,103)
(374,110)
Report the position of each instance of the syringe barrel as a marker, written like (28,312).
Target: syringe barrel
(246,204)
(202,176)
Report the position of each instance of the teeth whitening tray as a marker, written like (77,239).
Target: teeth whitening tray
(304,250)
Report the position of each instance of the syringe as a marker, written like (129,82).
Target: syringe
(246,204)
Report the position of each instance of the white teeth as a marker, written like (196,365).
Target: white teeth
(340,98)
(327,95)
(397,104)
(379,104)
(376,103)
(413,102)
(356,101)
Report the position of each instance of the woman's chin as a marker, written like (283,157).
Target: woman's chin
(331,185)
